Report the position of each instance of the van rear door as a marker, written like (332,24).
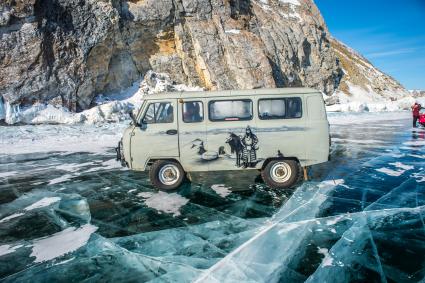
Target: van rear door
(156,137)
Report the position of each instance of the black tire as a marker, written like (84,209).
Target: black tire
(290,176)
(164,167)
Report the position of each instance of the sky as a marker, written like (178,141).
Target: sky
(389,33)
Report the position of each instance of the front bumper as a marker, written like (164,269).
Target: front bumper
(120,154)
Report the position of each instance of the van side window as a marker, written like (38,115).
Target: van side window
(193,112)
(280,108)
(159,112)
(230,110)
(293,108)
(271,109)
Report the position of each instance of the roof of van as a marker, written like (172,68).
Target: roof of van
(259,91)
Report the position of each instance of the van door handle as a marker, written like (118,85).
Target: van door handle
(171,132)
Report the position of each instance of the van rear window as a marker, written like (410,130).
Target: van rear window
(280,108)
(230,110)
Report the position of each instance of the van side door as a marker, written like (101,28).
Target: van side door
(192,134)
(156,136)
(232,142)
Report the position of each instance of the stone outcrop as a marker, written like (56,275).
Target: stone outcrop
(69,51)
(360,76)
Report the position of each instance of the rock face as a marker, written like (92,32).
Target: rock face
(45,47)
(361,80)
(69,51)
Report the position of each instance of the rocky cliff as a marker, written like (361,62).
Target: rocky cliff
(68,51)
(361,81)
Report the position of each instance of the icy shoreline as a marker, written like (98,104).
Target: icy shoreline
(403,104)
(104,137)
(116,108)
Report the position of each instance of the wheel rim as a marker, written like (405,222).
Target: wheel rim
(281,172)
(169,174)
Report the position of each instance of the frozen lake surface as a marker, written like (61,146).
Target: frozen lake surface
(69,212)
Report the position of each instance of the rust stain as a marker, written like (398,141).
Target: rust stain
(165,42)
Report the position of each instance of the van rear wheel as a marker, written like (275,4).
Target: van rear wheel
(281,174)
(166,174)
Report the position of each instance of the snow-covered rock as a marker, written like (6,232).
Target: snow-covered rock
(361,81)
(113,108)
(376,106)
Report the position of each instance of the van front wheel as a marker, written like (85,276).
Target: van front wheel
(281,174)
(166,174)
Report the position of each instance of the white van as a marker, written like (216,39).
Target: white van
(275,131)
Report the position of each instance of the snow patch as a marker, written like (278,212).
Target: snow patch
(43,203)
(164,202)
(15,215)
(233,31)
(60,179)
(402,166)
(145,194)
(107,165)
(221,190)
(331,183)
(327,261)
(292,2)
(65,261)
(7,249)
(417,156)
(335,220)
(72,167)
(415,143)
(292,12)
(323,251)
(7,174)
(420,177)
(390,172)
(61,243)
(60,138)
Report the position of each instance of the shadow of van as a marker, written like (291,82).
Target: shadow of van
(232,180)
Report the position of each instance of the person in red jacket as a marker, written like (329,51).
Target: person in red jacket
(415,111)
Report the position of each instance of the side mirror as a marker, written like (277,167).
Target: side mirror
(133,119)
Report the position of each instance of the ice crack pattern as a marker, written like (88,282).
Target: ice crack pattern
(77,216)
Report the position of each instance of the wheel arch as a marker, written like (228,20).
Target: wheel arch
(152,160)
(268,160)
